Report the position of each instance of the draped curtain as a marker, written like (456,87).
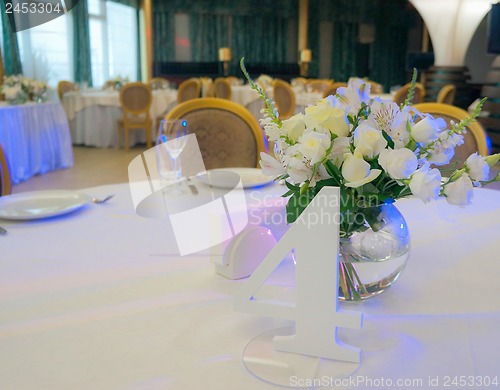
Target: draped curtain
(256,30)
(81,43)
(388,51)
(344,50)
(11,58)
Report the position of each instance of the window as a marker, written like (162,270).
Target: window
(113,41)
(46,51)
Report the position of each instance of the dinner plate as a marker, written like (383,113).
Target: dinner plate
(41,204)
(250,177)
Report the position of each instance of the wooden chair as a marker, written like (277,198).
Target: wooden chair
(64,86)
(447,94)
(233,81)
(189,89)
(135,100)
(375,88)
(402,94)
(332,89)
(318,85)
(227,133)
(475,139)
(284,98)
(159,83)
(222,89)
(5,177)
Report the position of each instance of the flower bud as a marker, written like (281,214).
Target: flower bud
(493,159)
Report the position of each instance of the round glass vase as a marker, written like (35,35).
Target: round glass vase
(374,255)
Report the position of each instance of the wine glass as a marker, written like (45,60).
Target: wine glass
(172,138)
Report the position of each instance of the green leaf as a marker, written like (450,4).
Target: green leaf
(297,204)
(390,142)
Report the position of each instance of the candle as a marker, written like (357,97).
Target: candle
(305,55)
(224,54)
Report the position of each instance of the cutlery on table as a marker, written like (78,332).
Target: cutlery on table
(99,201)
(3,232)
(192,187)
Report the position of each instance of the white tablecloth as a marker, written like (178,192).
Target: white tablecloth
(246,96)
(36,138)
(94,116)
(99,299)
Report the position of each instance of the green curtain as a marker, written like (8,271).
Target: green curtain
(260,39)
(245,26)
(207,33)
(11,59)
(81,43)
(389,48)
(344,50)
(163,32)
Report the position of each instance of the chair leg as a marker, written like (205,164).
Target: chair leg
(149,137)
(127,143)
(119,129)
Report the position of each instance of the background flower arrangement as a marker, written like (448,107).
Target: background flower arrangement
(18,89)
(375,151)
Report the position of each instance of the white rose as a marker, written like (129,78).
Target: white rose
(398,163)
(440,156)
(294,126)
(459,192)
(271,166)
(477,167)
(313,146)
(357,172)
(368,141)
(326,114)
(341,148)
(427,129)
(425,183)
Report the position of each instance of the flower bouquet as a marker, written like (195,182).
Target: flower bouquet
(18,89)
(376,152)
(15,89)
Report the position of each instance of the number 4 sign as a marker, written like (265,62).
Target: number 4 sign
(314,236)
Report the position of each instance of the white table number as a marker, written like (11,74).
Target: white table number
(316,314)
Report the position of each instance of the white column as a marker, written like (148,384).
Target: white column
(451,25)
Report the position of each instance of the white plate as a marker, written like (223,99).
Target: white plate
(250,178)
(41,204)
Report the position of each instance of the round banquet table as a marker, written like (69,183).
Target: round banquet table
(101,299)
(94,115)
(35,137)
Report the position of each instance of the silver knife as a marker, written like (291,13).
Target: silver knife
(192,187)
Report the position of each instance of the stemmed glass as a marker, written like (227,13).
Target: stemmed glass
(172,137)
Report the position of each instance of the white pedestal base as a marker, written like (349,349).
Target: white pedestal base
(291,370)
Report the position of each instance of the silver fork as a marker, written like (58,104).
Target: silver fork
(99,201)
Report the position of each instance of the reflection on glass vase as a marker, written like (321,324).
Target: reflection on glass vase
(374,255)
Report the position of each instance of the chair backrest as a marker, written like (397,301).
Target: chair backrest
(375,88)
(447,94)
(332,89)
(188,89)
(5,178)
(233,80)
(402,94)
(159,83)
(284,98)
(64,86)
(136,99)
(318,85)
(222,89)
(475,139)
(227,133)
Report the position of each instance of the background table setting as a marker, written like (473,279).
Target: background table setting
(101,298)
(94,115)
(36,138)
